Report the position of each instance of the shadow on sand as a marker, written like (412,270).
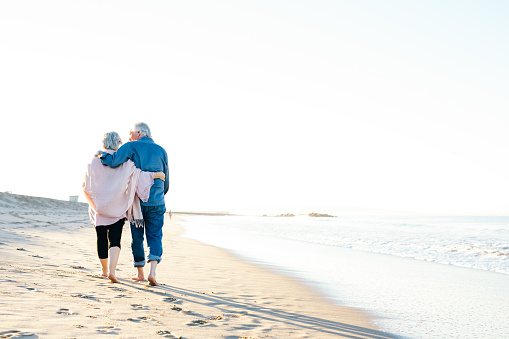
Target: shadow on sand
(229,305)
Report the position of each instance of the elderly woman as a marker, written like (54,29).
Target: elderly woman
(113,195)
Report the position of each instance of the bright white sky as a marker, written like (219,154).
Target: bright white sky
(398,105)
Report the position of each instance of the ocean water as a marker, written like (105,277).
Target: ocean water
(419,277)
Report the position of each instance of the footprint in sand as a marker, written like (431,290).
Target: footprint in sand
(167,334)
(139,307)
(175,308)
(172,300)
(84,296)
(118,289)
(65,311)
(197,322)
(136,320)
(107,329)
(17,334)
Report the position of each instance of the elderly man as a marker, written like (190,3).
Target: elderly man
(149,157)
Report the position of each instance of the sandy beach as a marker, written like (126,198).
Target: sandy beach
(50,286)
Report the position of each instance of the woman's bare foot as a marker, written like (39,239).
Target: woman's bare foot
(104,267)
(112,278)
(152,281)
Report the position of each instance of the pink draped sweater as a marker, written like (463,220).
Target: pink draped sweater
(115,193)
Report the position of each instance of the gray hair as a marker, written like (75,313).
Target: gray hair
(143,128)
(112,141)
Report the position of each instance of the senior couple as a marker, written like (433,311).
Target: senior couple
(128,182)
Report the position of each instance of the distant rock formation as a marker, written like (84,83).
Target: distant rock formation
(286,215)
(320,215)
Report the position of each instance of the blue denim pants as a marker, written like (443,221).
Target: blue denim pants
(154,220)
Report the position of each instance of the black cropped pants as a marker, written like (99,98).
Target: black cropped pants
(108,236)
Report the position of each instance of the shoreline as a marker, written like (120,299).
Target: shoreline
(314,313)
(50,287)
(407,296)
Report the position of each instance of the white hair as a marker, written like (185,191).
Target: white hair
(112,141)
(143,128)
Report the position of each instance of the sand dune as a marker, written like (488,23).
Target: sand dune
(50,287)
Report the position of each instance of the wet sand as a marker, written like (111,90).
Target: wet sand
(50,286)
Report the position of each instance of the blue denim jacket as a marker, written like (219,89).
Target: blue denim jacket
(147,156)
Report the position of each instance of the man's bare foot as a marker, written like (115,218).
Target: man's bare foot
(152,281)
(138,278)
(112,278)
